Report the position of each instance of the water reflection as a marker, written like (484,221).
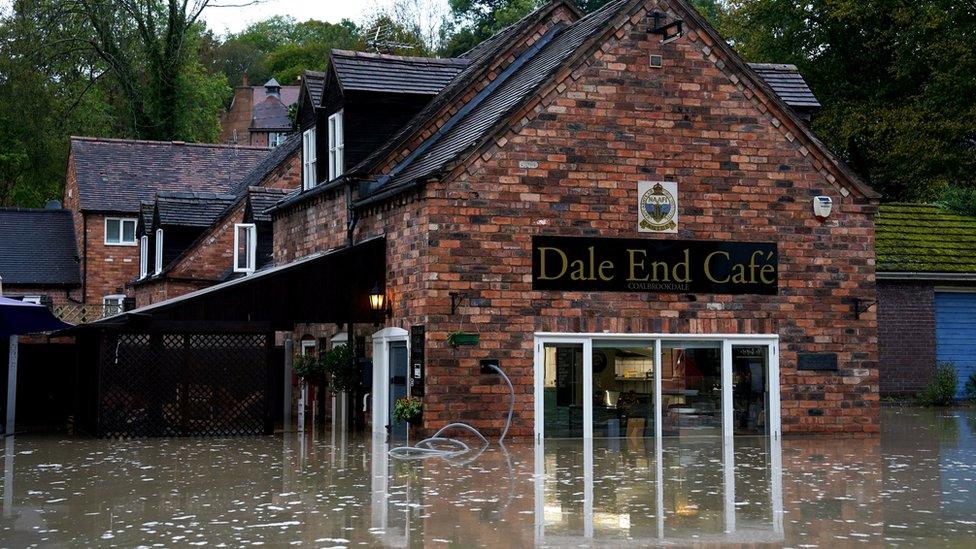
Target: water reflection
(913,485)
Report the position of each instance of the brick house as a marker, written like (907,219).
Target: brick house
(926,296)
(258,115)
(575,140)
(108,180)
(38,258)
(211,238)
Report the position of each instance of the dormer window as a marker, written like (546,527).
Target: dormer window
(245,247)
(308,159)
(159,251)
(337,144)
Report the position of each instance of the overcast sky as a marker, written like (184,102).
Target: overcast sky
(223,20)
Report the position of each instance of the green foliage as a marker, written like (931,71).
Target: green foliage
(961,200)
(407,409)
(970,387)
(344,375)
(309,368)
(941,391)
(895,80)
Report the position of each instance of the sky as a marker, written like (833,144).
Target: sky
(233,19)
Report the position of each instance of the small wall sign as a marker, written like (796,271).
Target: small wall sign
(644,265)
(824,362)
(657,203)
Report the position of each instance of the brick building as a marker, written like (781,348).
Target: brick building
(106,182)
(38,258)
(926,296)
(210,238)
(258,115)
(564,197)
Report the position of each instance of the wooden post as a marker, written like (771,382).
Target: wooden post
(11,387)
(289,356)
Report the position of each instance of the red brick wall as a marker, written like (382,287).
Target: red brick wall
(58,295)
(906,336)
(744,174)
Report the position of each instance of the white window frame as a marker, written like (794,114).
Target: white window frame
(143,256)
(114,300)
(308,159)
(337,145)
(771,341)
(159,252)
(276,138)
(121,221)
(35,299)
(252,247)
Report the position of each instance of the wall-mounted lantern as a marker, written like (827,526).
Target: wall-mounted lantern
(376,298)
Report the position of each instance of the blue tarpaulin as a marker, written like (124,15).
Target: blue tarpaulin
(18,317)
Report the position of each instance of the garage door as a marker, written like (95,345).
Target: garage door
(955,332)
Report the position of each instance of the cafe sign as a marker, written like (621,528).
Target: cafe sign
(645,265)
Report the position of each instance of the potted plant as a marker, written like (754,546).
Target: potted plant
(309,371)
(457,339)
(408,409)
(344,380)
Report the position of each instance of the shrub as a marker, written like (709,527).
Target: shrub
(344,375)
(407,409)
(308,368)
(970,387)
(941,391)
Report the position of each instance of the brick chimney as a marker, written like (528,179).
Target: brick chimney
(235,122)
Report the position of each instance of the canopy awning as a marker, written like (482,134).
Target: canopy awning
(325,287)
(20,317)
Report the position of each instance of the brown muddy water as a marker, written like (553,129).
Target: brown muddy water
(913,486)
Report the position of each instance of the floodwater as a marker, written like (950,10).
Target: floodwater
(913,486)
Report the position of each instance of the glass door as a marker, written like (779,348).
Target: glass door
(691,388)
(750,389)
(564,390)
(623,388)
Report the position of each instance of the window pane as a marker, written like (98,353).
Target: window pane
(623,383)
(241,252)
(691,389)
(129,230)
(112,231)
(563,391)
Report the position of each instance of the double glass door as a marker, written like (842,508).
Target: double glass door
(635,387)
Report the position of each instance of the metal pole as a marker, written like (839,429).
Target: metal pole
(289,356)
(11,387)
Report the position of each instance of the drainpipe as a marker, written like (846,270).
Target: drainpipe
(351,218)
(84,274)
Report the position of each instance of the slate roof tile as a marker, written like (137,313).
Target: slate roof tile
(788,84)
(191,209)
(314,81)
(260,199)
(375,72)
(114,175)
(924,238)
(37,247)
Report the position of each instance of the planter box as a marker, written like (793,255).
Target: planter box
(462,338)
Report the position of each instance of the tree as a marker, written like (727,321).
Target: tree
(895,79)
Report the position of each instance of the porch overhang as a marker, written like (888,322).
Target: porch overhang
(327,287)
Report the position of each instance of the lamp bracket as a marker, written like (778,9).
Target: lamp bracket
(861,306)
(668,31)
(456,299)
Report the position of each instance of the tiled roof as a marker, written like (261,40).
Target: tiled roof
(38,247)
(262,198)
(788,84)
(289,94)
(924,238)
(519,81)
(315,82)
(191,209)
(270,115)
(375,72)
(256,175)
(116,174)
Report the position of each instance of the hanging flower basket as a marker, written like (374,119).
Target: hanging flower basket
(458,339)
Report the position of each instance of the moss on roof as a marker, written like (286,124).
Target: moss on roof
(924,238)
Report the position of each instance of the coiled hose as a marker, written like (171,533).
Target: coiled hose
(449,448)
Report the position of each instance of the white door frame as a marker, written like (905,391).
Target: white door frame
(771,341)
(381,373)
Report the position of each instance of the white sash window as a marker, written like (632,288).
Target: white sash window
(337,144)
(308,159)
